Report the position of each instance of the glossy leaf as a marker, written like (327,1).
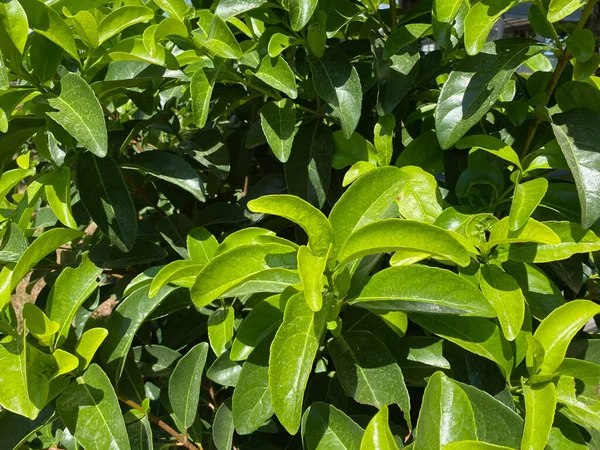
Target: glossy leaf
(14,21)
(79,112)
(505,295)
(236,266)
(395,234)
(292,354)
(301,12)
(276,73)
(574,131)
(446,415)
(336,81)
(540,403)
(107,200)
(220,329)
(121,18)
(251,402)
(170,168)
(57,190)
(184,384)
(484,76)
(479,22)
(422,289)
(368,372)
(311,269)
(278,122)
(72,287)
(378,435)
(88,344)
(312,221)
(526,199)
(201,245)
(556,331)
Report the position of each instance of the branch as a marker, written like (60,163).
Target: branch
(184,441)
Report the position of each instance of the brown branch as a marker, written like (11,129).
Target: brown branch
(155,420)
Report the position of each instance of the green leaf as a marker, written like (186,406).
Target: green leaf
(445,406)
(168,167)
(496,422)
(444,12)
(532,231)
(221,40)
(292,354)
(200,92)
(585,413)
(122,18)
(278,122)
(336,81)
(220,329)
(222,427)
(542,295)
(368,371)
(38,324)
(403,36)
(573,240)
(505,295)
(352,150)
(422,289)
(383,140)
(184,384)
(575,131)
(232,268)
(491,145)
(277,73)
(174,8)
(369,199)
(23,386)
(124,323)
(201,245)
(106,199)
(526,199)
(13,20)
(474,445)
(397,234)
(45,244)
(231,8)
(459,108)
(87,28)
(251,404)
(45,57)
(581,44)
(325,427)
(249,235)
(419,199)
(90,409)
(540,404)
(88,344)
(300,12)
(556,331)
(311,269)
(11,178)
(224,371)
(47,22)
(476,335)
(261,322)
(559,9)
(80,113)
(180,272)
(310,219)
(479,22)
(65,362)
(57,188)
(378,435)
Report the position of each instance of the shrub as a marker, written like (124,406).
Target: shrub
(205,242)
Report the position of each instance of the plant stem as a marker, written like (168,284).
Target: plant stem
(563,61)
(184,442)
(394,17)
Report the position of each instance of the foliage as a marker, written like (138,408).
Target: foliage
(269,225)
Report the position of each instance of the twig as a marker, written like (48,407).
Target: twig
(184,442)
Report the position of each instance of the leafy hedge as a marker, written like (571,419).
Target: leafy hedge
(258,225)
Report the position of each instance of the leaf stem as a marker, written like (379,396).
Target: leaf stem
(184,442)
(393,13)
